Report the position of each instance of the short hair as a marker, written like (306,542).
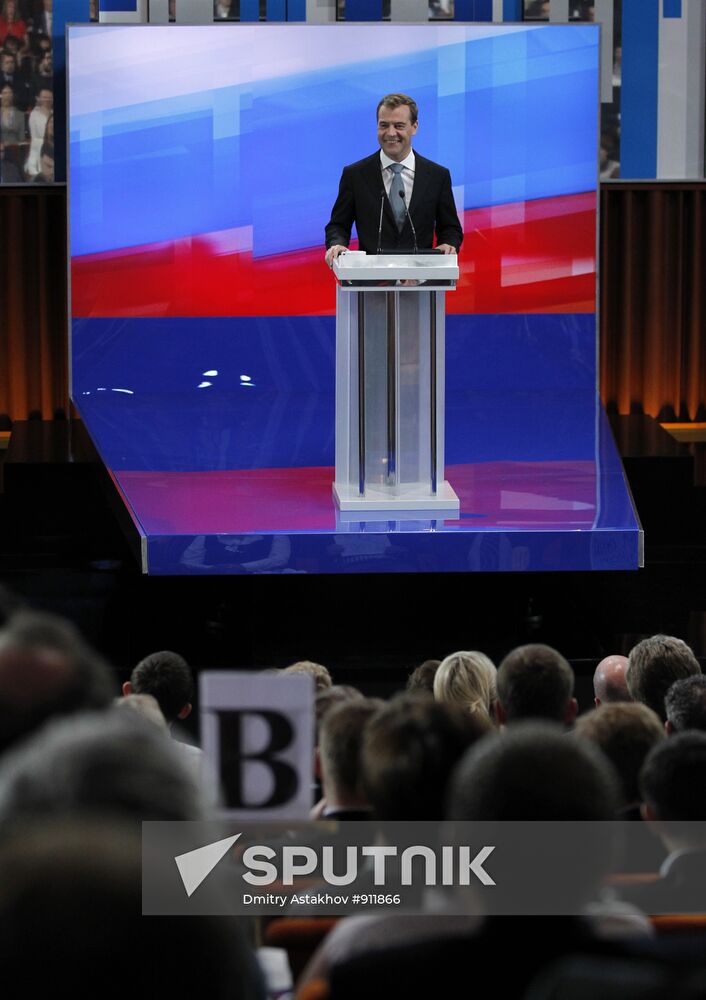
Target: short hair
(108,764)
(685,703)
(535,682)
(673,778)
(409,750)
(341,741)
(625,732)
(467,679)
(168,678)
(392,101)
(63,883)
(654,665)
(534,771)
(320,673)
(328,699)
(422,677)
(80,679)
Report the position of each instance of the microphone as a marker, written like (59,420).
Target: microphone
(382,208)
(414,231)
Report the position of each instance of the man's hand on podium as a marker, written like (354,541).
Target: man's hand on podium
(334,252)
(446,248)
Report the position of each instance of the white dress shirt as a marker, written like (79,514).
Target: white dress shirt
(407,174)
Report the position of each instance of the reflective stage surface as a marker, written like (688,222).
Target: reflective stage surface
(219,435)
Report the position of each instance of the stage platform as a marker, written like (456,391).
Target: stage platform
(240,481)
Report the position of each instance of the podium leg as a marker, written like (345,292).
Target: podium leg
(361,393)
(392,318)
(432,390)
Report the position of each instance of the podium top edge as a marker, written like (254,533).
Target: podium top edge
(371,267)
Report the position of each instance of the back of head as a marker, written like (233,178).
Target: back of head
(168,678)
(112,764)
(317,671)
(625,732)
(70,914)
(673,778)
(422,677)
(535,682)
(467,679)
(409,750)
(609,680)
(685,704)
(527,783)
(534,771)
(340,745)
(654,665)
(46,670)
(330,698)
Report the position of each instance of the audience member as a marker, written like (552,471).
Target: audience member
(685,704)
(37,127)
(111,763)
(673,787)
(654,665)
(468,679)
(145,707)
(46,670)
(535,682)
(609,682)
(12,121)
(625,733)
(11,23)
(168,678)
(46,165)
(9,171)
(70,921)
(409,750)
(422,677)
(320,674)
(532,771)
(324,702)
(339,752)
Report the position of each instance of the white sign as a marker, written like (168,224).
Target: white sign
(257,733)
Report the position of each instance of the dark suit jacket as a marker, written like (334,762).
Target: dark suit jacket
(681,890)
(431,207)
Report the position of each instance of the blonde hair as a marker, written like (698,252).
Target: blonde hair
(467,679)
(322,677)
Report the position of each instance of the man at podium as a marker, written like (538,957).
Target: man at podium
(398,199)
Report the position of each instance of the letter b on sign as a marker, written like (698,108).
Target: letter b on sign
(253,774)
(257,734)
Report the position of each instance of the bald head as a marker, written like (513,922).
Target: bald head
(609,683)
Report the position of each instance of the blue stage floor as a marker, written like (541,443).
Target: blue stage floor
(239,481)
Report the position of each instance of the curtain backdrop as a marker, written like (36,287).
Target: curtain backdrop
(33,306)
(652,301)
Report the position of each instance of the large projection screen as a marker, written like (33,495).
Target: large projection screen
(204,162)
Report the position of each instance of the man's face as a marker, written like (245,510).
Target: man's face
(395,131)
(8,65)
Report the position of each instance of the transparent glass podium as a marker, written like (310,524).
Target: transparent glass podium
(390,361)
